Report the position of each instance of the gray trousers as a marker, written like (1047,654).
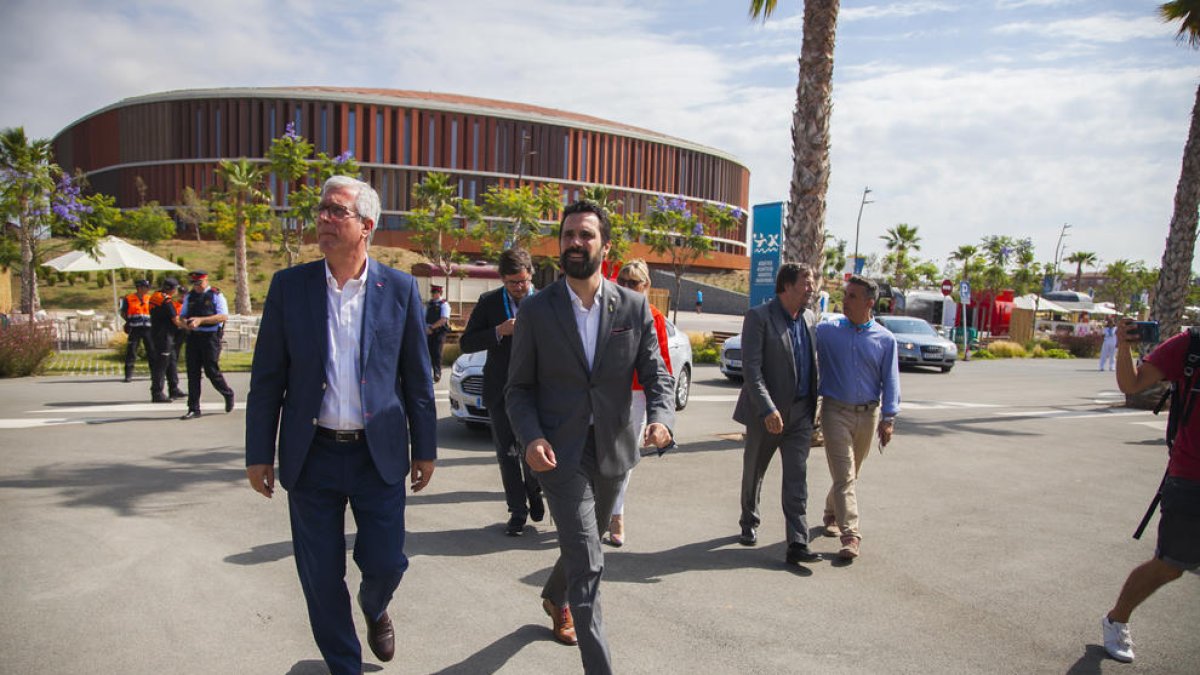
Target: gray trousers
(581,502)
(793,445)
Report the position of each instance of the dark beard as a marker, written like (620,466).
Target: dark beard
(579,269)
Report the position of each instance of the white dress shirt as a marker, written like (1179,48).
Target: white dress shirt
(587,321)
(341,408)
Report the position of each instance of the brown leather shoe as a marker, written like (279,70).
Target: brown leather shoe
(849,549)
(381,635)
(564,625)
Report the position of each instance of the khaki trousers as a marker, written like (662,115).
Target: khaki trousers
(848,436)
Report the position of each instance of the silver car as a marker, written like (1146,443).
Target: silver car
(466,380)
(919,344)
(731,351)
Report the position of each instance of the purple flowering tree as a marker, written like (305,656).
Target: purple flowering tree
(288,158)
(36,198)
(673,230)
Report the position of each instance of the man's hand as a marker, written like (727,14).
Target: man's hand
(422,471)
(885,432)
(657,435)
(539,455)
(262,479)
(505,329)
(774,422)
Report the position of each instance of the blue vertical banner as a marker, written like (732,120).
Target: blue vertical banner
(766,251)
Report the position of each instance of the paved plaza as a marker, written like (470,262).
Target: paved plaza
(996,532)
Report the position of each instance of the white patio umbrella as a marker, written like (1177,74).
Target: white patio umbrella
(112,254)
(1032,301)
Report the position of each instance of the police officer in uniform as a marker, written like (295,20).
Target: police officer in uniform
(135,309)
(203,314)
(165,338)
(437,324)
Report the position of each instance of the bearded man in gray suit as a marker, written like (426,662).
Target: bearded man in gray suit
(778,402)
(574,354)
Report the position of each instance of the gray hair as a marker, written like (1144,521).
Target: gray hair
(366,200)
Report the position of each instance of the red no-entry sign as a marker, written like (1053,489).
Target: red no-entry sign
(947,287)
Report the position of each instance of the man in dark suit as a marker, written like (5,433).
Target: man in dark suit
(491,327)
(341,376)
(778,403)
(574,354)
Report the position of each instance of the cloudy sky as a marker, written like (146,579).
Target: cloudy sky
(964,117)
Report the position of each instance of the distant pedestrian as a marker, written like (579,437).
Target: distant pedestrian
(699,301)
(135,310)
(204,313)
(165,339)
(1108,348)
(437,324)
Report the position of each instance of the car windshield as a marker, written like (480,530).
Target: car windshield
(906,325)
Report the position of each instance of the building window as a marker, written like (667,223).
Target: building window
(323,132)
(378,131)
(583,156)
(200,133)
(474,153)
(454,147)
(217,131)
(271,120)
(430,141)
(352,133)
(405,157)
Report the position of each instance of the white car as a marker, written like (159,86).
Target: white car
(466,380)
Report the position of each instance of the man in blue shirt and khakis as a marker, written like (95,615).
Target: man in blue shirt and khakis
(860,397)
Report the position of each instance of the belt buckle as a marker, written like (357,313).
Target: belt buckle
(346,436)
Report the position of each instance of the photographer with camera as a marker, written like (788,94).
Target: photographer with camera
(1178,549)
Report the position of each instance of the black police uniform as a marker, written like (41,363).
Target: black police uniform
(166,339)
(204,350)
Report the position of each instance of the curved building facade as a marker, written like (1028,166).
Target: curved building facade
(174,140)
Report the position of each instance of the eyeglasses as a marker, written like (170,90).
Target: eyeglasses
(518,283)
(630,283)
(335,211)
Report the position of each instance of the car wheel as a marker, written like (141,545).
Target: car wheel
(683,385)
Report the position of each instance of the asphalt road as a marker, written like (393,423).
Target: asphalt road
(996,532)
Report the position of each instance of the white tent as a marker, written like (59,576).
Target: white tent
(1039,304)
(112,254)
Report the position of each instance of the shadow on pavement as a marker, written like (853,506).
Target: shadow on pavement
(314,667)
(1089,662)
(493,657)
(479,541)
(122,487)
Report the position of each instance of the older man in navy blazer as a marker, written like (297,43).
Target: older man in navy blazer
(341,378)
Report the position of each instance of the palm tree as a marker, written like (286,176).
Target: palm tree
(1174,280)
(1081,258)
(810,128)
(900,240)
(968,255)
(25,189)
(243,186)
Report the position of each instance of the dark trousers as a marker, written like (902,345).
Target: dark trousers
(164,362)
(137,335)
(521,487)
(581,501)
(203,352)
(793,445)
(334,475)
(436,340)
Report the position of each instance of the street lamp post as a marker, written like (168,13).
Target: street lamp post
(857,223)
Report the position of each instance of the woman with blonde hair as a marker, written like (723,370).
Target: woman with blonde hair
(635,275)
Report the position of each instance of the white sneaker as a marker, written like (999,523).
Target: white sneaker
(1117,642)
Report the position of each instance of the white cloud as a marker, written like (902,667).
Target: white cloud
(1098,28)
(896,10)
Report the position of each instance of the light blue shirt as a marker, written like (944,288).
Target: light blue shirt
(859,364)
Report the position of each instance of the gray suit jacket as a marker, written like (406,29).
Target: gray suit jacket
(551,392)
(768,364)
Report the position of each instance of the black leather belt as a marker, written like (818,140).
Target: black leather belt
(342,435)
(856,407)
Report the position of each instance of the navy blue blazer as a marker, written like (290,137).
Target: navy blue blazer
(287,378)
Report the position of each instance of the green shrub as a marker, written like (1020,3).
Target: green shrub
(1007,350)
(983,355)
(25,348)
(1059,354)
(706,355)
(1038,352)
(119,341)
(101,281)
